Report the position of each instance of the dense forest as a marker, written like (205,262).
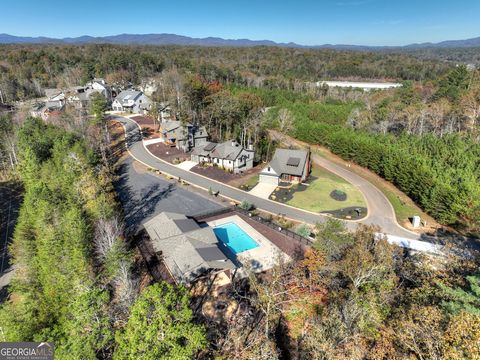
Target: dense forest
(74,281)
(26,69)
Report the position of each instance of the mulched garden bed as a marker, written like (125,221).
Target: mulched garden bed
(168,153)
(349,213)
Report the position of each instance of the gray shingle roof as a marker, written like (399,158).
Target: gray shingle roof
(228,150)
(291,162)
(128,95)
(187,249)
(180,131)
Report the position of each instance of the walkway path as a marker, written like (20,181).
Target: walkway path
(139,152)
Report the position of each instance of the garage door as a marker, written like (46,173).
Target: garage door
(268,179)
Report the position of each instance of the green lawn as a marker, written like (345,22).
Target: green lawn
(317,196)
(249,183)
(403,206)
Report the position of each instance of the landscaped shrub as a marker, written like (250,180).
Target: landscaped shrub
(338,195)
(303,230)
(245,205)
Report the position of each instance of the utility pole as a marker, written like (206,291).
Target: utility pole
(1,97)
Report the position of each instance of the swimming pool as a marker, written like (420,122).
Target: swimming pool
(234,237)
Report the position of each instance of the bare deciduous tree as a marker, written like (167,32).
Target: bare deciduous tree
(107,233)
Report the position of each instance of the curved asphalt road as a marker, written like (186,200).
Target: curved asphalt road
(380,210)
(139,152)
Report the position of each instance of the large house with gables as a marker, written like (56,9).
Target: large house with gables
(229,155)
(132,101)
(184,136)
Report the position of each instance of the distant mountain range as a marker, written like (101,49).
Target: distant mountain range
(173,39)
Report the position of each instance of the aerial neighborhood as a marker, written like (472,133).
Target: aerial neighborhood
(191,198)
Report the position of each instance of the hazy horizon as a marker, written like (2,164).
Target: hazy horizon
(305,22)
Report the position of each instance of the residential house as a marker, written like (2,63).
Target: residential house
(292,166)
(48,108)
(101,86)
(55,95)
(132,101)
(229,155)
(185,248)
(80,97)
(184,136)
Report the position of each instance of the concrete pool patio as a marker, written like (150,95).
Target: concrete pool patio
(260,258)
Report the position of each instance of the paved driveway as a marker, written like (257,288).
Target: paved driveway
(144,195)
(187,165)
(263,190)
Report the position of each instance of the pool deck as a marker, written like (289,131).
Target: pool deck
(292,247)
(260,258)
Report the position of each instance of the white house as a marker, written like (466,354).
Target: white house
(101,86)
(228,155)
(132,101)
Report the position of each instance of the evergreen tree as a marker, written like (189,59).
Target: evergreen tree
(160,326)
(459,299)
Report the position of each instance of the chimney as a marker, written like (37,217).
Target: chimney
(250,147)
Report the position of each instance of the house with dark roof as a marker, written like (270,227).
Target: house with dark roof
(229,155)
(287,165)
(184,136)
(186,249)
(132,101)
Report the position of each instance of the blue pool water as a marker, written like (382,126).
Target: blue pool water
(234,237)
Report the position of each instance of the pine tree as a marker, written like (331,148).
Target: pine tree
(160,326)
(459,299)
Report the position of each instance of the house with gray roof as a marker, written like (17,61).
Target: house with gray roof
(55,95)
(229,155)
(287,165)
(184,136)
(101,86)
(80,97)
(132,101)
(186,249)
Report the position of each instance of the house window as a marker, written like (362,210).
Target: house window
(269,168)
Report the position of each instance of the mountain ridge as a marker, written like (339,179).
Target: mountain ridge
(174,39)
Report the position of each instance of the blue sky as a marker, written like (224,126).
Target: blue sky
(309,22)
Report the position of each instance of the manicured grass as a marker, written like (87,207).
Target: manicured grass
(249,183)
(317,196)
(403,206)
